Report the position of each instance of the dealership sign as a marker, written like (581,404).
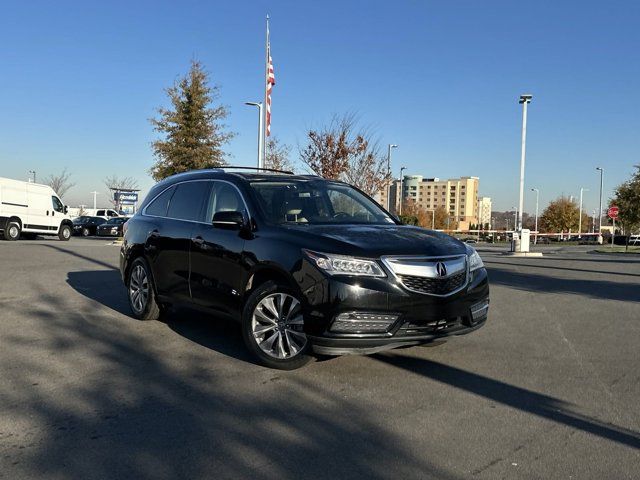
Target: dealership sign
(126,198)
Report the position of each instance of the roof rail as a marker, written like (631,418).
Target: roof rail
(224,167)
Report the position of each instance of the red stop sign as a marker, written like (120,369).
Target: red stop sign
(613,212)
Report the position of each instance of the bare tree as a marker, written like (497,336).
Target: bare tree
(113,182)
(367,169)
(330,148)
(60,183)
(278,155)
(342,150)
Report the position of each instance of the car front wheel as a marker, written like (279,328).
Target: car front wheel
(65,233)
(12,232)
(273,327)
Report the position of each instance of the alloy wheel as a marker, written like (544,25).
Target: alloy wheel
(139,289)
(277,326)
(14,231)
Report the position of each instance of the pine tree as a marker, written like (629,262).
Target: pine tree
(193,133)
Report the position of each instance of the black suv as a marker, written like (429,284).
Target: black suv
(305,264)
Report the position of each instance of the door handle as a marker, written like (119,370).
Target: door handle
(47,213)
(198,241)
(154,233)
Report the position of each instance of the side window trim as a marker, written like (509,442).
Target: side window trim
(212,181)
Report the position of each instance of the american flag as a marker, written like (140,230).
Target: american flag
(271,81)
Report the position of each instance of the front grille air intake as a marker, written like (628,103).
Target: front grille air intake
(434,286)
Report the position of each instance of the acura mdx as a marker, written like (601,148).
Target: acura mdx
(305,264)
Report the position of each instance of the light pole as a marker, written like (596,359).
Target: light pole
(33,172)
(580,215)
(261,148)
(391,145)
(600,209)
(535,239)
(515,218)
(95,194)
(433,219)
(402,169)
(524,101)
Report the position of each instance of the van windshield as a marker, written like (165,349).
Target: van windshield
(316,202)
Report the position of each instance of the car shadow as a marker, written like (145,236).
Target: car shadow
(534,282)
(216,332)
(538,404)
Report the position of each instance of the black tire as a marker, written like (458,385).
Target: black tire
(64,233)
(85,232)
(294,360)
(150,309)
(12,232)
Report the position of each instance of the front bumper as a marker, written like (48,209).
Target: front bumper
(421,318)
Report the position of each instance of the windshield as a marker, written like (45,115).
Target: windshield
(316,202)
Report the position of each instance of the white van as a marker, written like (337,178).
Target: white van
(31,208)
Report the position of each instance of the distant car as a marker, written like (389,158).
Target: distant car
(470,240)
(105,213)
(86,226)
(543,240)
(634,240)
(111,228)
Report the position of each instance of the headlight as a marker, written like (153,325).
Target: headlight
(475,262)
(342,265)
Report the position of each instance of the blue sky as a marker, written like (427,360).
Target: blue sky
(79,81)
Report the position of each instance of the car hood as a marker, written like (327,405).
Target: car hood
(379,240)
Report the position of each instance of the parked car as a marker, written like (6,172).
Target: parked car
(305,264)
(31,209)
(112,228)
(105,213)
(86,225)
(634,240)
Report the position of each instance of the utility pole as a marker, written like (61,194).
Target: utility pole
(580,214)
(600,209)
(261,149)
(95,194)
(389,180)
(402,169)
(524,101)
(535,239)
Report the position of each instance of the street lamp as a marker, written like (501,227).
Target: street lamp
(33,172)
(580,217)
(391,145)
(600,209)
(260,132)
(535,239)
(402,169)
(524,101)
(433,219)
(515,218)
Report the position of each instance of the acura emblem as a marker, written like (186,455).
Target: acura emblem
(441,269)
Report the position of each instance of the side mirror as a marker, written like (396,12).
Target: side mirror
(233,220)
(66,209)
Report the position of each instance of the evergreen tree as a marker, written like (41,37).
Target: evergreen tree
(193,133)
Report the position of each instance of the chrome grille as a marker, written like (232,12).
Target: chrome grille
(440,276)
(434,286)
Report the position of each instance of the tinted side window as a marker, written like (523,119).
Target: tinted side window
(223,197)
(100,213)
(186,203)
(158,207)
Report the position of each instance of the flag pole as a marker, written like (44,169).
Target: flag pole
(266,86)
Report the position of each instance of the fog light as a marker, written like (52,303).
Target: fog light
(363,322)
(479,310)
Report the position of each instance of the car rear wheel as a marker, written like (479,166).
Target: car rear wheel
(65,233)
(142,299)
(273,327)
(12,232)
(85,232)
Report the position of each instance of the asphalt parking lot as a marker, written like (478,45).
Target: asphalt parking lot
(549,388)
